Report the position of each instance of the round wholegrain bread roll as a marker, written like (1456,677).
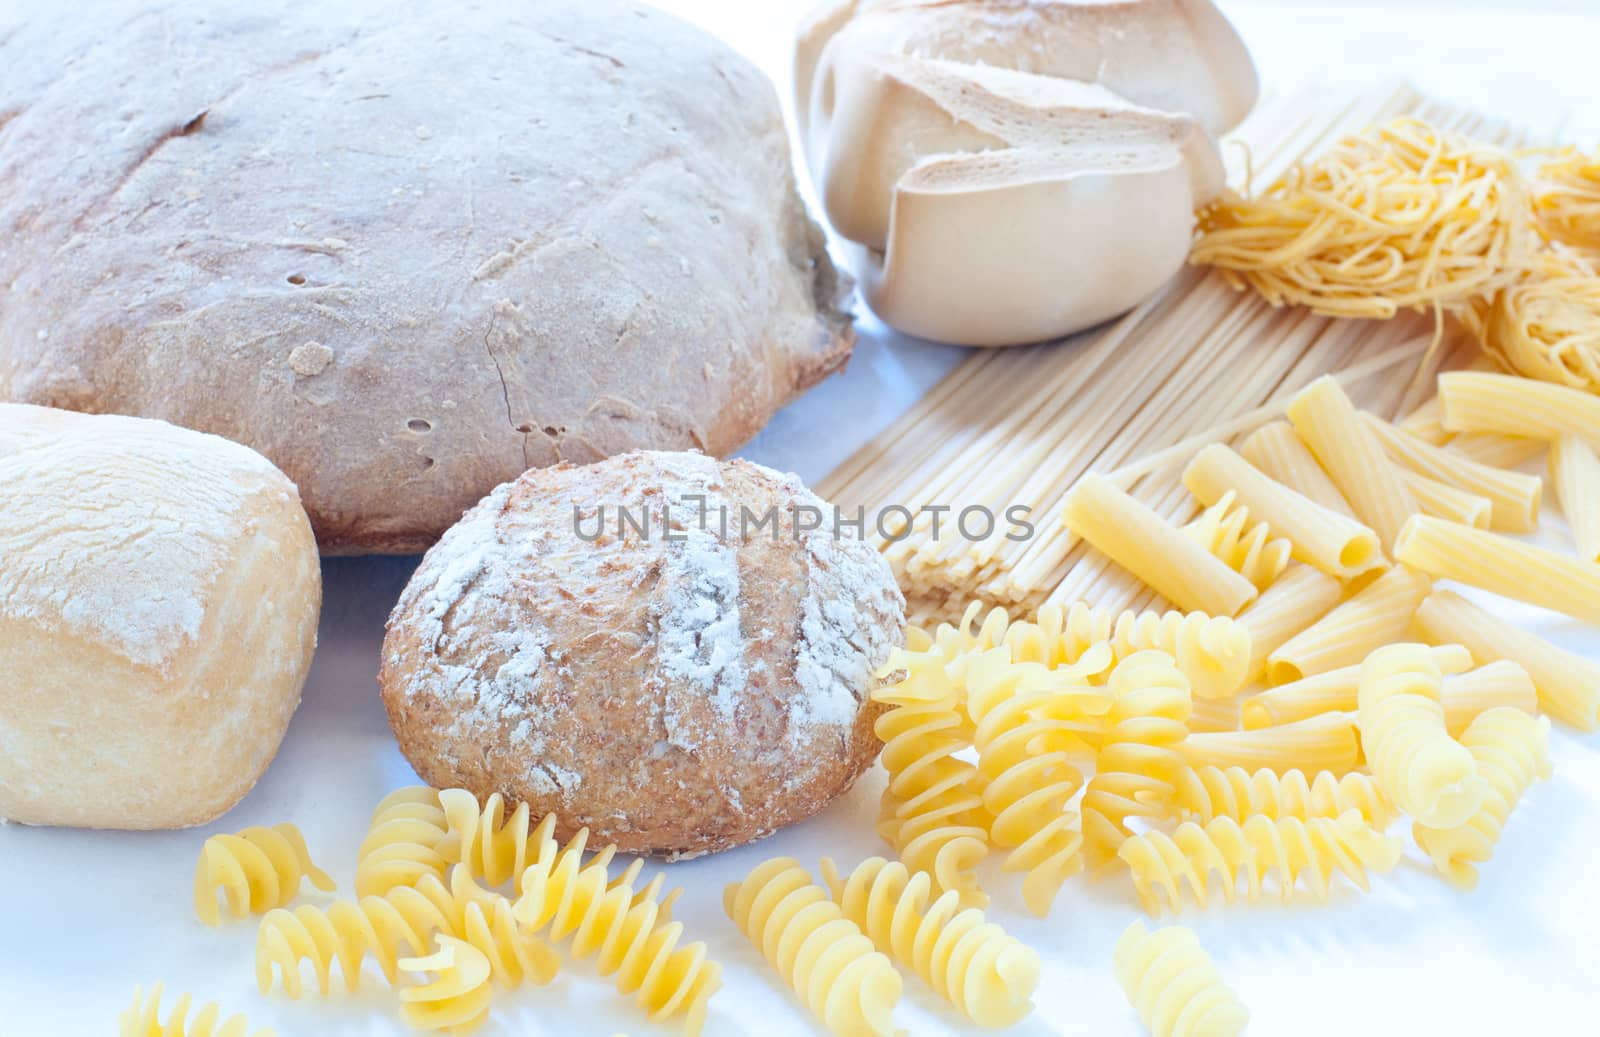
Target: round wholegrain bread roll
(405,249)
(589,641)
(159,592)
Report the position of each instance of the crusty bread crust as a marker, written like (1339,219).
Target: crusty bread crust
(677,697)
(405,250)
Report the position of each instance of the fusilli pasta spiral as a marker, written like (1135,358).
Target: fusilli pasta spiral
(969,961)
(630,932)
(1211,792)
(1212,651)
(1512,750)
(143,1019)
(1287,848)
(1224,529)
(256,870)
(1418,765)
(404,842)
(1138,761)
(456,1000)
(493,846)
(1174,986)
(823,956)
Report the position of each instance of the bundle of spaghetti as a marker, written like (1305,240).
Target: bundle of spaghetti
(1547,326)
(1567,198)
(1402,216)
(1139,756)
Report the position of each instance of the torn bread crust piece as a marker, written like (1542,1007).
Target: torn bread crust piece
(994,193)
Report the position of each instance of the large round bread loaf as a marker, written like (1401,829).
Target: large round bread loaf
(406,250)
(159,592)
(679,680)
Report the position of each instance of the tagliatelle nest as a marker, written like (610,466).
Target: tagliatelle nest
(1402,216)
(1547,326)
(1567,199)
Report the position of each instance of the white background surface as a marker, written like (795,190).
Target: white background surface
(85,916)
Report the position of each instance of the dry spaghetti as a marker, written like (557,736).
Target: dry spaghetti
(1404,216)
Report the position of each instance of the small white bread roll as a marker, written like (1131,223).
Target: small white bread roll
(159,593)
(996,188)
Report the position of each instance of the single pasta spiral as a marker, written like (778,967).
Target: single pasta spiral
(1512,750)
(1408,747)
(493,846)
(1224,529)
(143,1019)
(1024,767)
(967,960)
(932,812)
(630,932)
(823,956)
(1138,759)
(255,870)
(1287,848)
(1212,651)
(1174,986)
(1211,792)
(404,842)
(456,1000)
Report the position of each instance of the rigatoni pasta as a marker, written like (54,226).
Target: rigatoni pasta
(1514,496)
(1575,472)
(1480,401)
(1334,543)
(1301,596)
(1321,743)
(1442,500)
(1139,540)
(1568,684)
(1278,450)
(1378,615)
(1504,566)
(1324,417)
(1501,684)
(1332,691)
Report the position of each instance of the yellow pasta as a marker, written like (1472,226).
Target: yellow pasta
(1501,565)
(1513,496)
(456,999)
(404,842)
(515,955)
(988,975)
(1501,684)
(143,1019)
(1173,985)
(1511,750)
(1567,198)
(1138,759)
(256,870)
(1402,216)
(1336,544)
(1140,541)
(1249,549)
(1496,450)
(1324,417)
(494,847)
(1328,692)
(630,933)
(1213,651)
(827,960)
(1442,500)
(1321,743)
(1424,423)
(1378,615)
(1281,454)
(1206,793)
(1575,472)
(1301,596)
(1479,401)
(1419,766)
(1568,684)
(1548,326)
(1287,849)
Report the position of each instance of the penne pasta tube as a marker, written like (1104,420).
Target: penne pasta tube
(1136,538)
(1513,495)
(1321,743)
(1500,683)
(1330,425)
(1442,500)
(1568,685)
(1501,565)
(1378,615)
(1279,452)
(1480,401)
(1330,692)
(1496,450)
(1334,543)
(1300,597)
(1575,472)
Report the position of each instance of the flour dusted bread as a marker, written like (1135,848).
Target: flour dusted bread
(159,591)
(1016,170)
(404,249)
(679,691)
